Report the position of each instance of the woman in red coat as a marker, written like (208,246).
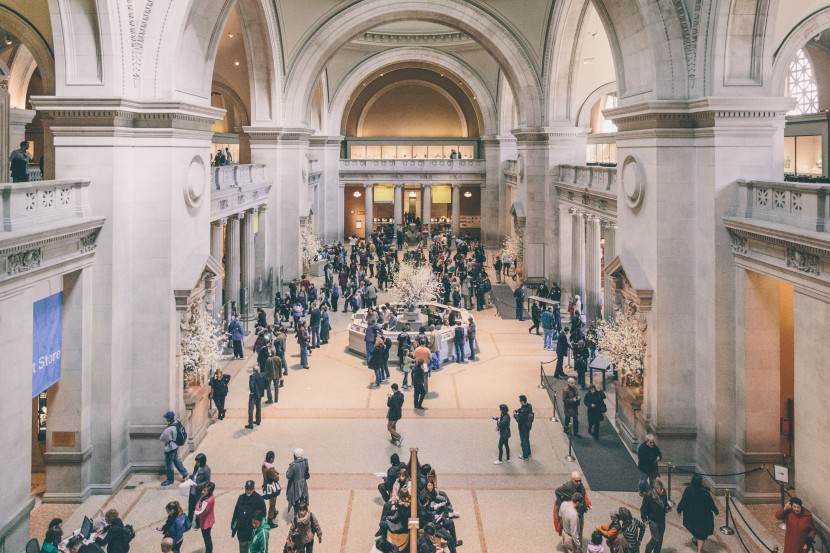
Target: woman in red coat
(800,528)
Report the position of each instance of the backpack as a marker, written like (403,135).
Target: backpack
(459,333)
(188,524)
(530,418)
(181,434)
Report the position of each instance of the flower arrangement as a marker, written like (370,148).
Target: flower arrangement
(202,343)
(623,342)
(310,245)
(414,285)
(514,246)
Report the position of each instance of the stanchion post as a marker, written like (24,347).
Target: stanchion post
(726,530)
(569,457)
(541,377)
(783,525)
(670,501)
(553,418)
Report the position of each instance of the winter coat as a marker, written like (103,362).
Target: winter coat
(647,458)
(503,426)
(115,538)
(259,543)
(570,400)
(243,514)
(376,359)
(237,333)
(220,385)
(698,510)
(307,527)
(522,416)
(654,507)
(169,437)
(206,517)
(594,402)
(800,528)
(296,475)
(562,345)
(394,403)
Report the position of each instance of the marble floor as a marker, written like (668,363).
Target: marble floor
(332,413)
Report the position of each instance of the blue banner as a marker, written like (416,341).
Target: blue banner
(47,340)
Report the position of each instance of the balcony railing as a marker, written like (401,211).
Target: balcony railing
(602,179)
(30,204)
(415,165)
(234,176)
(798,204)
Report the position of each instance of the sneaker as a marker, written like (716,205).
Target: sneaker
(508,460)
(459,543)
(496,462)
(166,483)
(249,426)
(455,514)
(522,458)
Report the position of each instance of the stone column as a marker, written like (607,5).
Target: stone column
(456,207)
(398,207)
(261,245)
(232,266)
(216,248)
(578,255)
(593,270)
(247,261)
(369,197)
(565,253)
(610,229)
(495,211)
(426,209)
(5,149)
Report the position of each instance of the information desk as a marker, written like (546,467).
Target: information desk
(541,300)
(602,364)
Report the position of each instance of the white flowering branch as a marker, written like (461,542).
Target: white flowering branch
(514,246)
(202,342)
(414,285)
(310,245)
(623,342)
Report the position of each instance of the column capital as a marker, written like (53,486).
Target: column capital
(426,184)
(262,208)
(575,211)
(593,218)
(236,216)
(368,185)
(219,222)
(610,225)
(250,211)
(397,185)
(456,185)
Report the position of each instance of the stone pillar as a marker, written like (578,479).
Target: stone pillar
(5,145)
(610,229)
(532,193)
(426,209)
(495,211)
(578,255)
(328,220)
(261,245)
(232,262)
(247,262)
(593,270)
(398,207)
(369,198)
(565,254)
(216,248)
(456,208)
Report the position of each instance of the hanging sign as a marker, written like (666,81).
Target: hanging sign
(47,339)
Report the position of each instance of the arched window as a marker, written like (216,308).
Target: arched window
(801,85)
(609,101)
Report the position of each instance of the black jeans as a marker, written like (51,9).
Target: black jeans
(559,370)
(503,444)
(254,404)
(237,349)
(593,428)
(208,540)
(524,437)
(220,405)
(420,393)
(656,543)
(575,419)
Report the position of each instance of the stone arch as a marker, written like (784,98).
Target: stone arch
(239,111)
(36,44)
(641,39)
(493,36)
(483,103)
(507,107)
(190,69)
(799,36)
(583,115)
(20,74)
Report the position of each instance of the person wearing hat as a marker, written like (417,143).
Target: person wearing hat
(297,476)
(612,529)
(242,523)
(171,449)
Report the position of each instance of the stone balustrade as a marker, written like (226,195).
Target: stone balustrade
(31,204)
(597,178)
(416,165)
(798,204)
(234,176)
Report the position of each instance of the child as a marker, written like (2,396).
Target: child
(596,543)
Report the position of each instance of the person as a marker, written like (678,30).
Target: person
(497,265)
(307,526)
(303,339)
(394,402)
(247,505)
(503,427)
(166,545)
(648,456)
(270,481)
(297,476)
(406,367)
(698,510)
(459,342)
(580,349)
(611,530)
(171,449)
(376,360)
(314,319)
(564,493)
(237,336)
(535,317)
(418,382)
(256,389)
(325,325)
(54,536)
(205,515)
(392,473)
(200,477)
(595,402)
(19,161)
(113,534)
(273,374)
(519,296)
(571,400)
(261,534)
(228,156)
(653,510)
(471,337)
(524,420)
(596,543)
(176,524)
(562,348)
(279,344)
(548,324)
(371,337)
(219,391)
(335,296)
(571,528)
(633,530)
(801,531)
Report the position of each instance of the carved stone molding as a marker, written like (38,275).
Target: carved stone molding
(739,245)
(802,261)
(633,181)
(23,261)
(88,243)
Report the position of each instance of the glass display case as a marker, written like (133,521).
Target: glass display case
(603,153)
(802,155)
(357,148)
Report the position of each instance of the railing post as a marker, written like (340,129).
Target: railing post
(726,530)
(541,377)
(670,467)
(553,418)
(569,457)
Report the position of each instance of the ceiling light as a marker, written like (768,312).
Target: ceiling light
(236,63)
(230,35)
(468,194)
(8,40)
(442,74)
(588,61)
(381,74)
(412,194)
(356,194)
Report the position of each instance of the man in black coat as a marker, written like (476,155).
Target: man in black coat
(248,504)
(418,384)
(556,295)
(524,419)
(256,388)
(648,457)
(392,473)
(562,347)
(394,402)
(536,317)
(519,296)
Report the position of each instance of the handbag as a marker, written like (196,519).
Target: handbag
(271,489)
(603,408)
(184,487)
